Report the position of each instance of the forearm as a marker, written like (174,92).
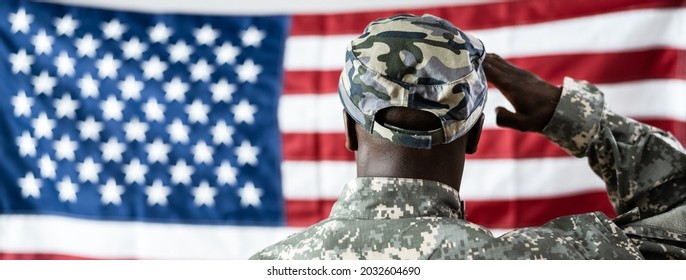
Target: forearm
(635,160)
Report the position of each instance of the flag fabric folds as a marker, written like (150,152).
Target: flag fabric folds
(141,134)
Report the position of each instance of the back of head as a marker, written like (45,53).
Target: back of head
(421,63)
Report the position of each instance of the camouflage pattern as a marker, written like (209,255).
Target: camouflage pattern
(424,63)
(644,168)
(645,172)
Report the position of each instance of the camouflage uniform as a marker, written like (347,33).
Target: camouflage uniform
(394,218)
(643,167)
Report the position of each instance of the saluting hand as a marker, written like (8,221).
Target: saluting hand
(533,98)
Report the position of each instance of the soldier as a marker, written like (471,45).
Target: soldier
(413,89)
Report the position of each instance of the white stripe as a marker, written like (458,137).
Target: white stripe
(114,240)
(647,99)
(620,31)
(641,99)
(499,231)
(310,112)
(482,179)
(261,7)
(325,179)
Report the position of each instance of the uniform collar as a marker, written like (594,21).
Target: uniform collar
(375,198)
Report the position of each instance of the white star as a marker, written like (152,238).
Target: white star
(44,83)
(222,91)
(244,112)
(65,64)
(157,151)
(135,172)
(130,88)
(157,193)
(27,144)
(111,193)
(66,107)
(66,25)
(222,133)
(87,46)
(160,33)
(65,148)
(181,173)
(88,170)
(153,111)
(113,29)
(206,35)
(197,112)
(247,154)
(252,37)
(47,167)
(20,21)
(226,53)
(178,132)
(112,108)
(89,86)
(133,49)
(248,71)
(204,194)
(226,174)
(135,130)
(201,71)
(202,153)
(175,90)
(43,126)
(67,190)
(250,196)
(21,62)
(179,52)
(90,129)
(108,66)
(112,150)
(22,104)
(30,186)
(42,42)
(154,68)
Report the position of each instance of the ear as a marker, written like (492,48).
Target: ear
(474,135)
(350,133)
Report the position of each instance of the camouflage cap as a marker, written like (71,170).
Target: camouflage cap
(424,63)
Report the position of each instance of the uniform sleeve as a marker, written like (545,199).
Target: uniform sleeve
(644,168)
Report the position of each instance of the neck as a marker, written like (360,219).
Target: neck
(398,162)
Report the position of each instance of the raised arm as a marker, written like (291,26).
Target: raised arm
(634,159)
(644,168)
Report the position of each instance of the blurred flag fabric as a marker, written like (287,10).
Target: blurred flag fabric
(168,134)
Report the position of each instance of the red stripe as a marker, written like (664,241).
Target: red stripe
(39,256)
(535,212)
(492,213)
(494,144)
(595,67)
(511,144)
(315,147)
(478,16)
(303,213)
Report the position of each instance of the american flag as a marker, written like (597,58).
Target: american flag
(161,129)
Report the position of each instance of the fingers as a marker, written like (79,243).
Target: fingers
(505,118)
(503,75)
(494,73)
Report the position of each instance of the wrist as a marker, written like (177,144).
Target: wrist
(576,118)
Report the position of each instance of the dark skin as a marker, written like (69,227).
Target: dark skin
(533,99)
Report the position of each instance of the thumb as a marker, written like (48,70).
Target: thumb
(505,118)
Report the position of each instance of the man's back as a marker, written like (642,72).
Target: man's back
(392,218)
(411,114)
(384,218)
